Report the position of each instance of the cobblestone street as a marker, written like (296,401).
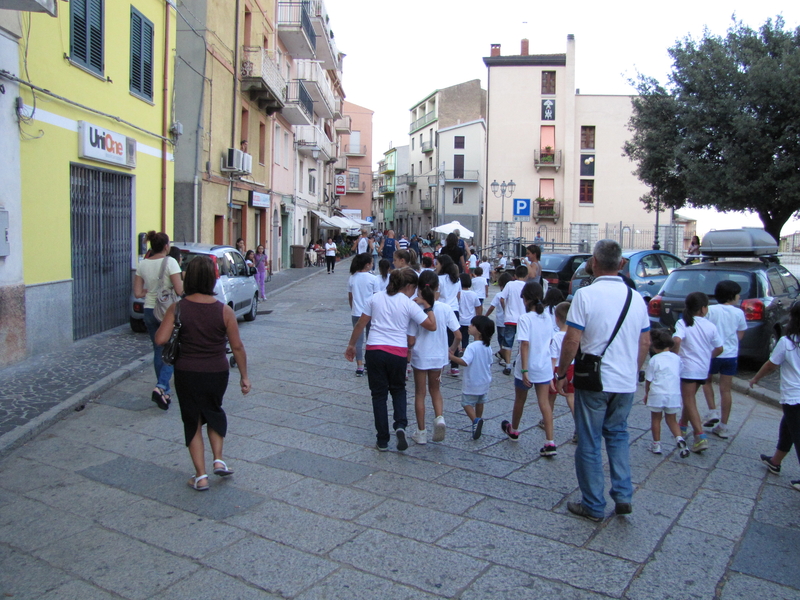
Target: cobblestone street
(96,506)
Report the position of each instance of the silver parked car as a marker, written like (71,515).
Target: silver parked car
(236,285)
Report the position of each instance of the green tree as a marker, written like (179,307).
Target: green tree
(725,132)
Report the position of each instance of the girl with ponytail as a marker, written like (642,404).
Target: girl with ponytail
(430,356)
(449,292)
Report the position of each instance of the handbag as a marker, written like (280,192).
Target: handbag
(587,373)
(170,351)
(166,297)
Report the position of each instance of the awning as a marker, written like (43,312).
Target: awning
(326,222)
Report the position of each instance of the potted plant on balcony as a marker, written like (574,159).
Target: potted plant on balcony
(548,155)
(546,207)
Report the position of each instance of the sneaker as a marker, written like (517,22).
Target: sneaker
(700,445)
(359,372)
(500,359)
(548,450)
(512,435)
(382,448)
(439,429)
(655,447)
(681,443)
(507,371)
(454,372)
(711,418)
(477,427)
(796,484)
(721,431)
(402,442)
(767,460)
(623,508)
(420,437)
(576,508)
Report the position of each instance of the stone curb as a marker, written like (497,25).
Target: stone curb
(759,393)
(22,434)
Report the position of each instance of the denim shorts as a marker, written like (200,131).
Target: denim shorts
(509,335)
(472,399)
(724,366)
(500,336)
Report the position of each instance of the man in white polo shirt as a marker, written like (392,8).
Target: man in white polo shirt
(591,320)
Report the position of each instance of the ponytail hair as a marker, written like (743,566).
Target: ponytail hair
(553,298)
(694,304)
(359,262)
(532,297)
(427,285)
(399,279)
(158,241)
(448,267)
(383,268)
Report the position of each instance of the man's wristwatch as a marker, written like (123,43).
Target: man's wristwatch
(427,310)
(561,377)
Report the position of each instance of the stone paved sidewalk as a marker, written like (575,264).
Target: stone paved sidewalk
(97,506)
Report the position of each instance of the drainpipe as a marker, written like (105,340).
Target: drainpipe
(234,112)
(165,117)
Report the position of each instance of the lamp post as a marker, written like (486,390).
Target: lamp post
(656,245)
(503,188)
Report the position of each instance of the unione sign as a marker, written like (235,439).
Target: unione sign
(100,144)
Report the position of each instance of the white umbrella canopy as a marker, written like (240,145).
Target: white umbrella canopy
(448,228)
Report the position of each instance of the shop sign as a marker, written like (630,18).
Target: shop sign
(341,184)
(259,200)
(104,145)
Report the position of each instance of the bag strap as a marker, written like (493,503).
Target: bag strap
(621,318)
(177,324)
(162,271)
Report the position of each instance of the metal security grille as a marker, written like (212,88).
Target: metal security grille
(101,209)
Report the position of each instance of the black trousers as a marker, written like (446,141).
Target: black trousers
(789,431)
(387,375)
(330,262)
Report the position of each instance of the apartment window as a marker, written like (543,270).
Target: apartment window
(86,34)
(458,141)
(262,142)
(430,164)
(587,165)
(412,143)
(420,140)
(286,158)
(420,167)
(312,182)
(412,170)
(245,129)
(458,166)
(353,176)
(141,55)
(277,156)
(458,195)
(587,137)
(587,191)
(548,82)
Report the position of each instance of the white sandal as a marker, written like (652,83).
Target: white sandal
(193,483)
(224,471)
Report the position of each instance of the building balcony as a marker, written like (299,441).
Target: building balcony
(387,188)
(340,165)
(356,187)
(546,208)
(426,147)
(262,79)
(357,150)
(295,29)
(299,108)
(386,167)
(547,158)
(409,180)
(343,124)
(422,121)
(312,141)
(428,201)
(462,176)
(316,81)
(338,107)
(327,52)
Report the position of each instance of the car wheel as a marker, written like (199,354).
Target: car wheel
(232,362)
(251,316)
(138,326)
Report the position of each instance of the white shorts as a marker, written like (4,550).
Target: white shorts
(668,410)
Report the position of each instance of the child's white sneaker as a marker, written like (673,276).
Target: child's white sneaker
(420,437)
(721,431)
(439,429)
(655,447)
(711,418)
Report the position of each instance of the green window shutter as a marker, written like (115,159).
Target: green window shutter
(95,19)
(86,33)
(78,31)
(141,55)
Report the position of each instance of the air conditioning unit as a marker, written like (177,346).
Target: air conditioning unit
(236,161)
(247,163)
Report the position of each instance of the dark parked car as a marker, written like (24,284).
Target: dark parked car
(647,268)
(557,269)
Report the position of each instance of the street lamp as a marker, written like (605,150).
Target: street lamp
(656,245)
(503,188)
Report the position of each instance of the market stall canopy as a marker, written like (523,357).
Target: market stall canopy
(451,227)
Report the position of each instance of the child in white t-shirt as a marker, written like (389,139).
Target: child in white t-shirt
(662,390)
(731,324)
(477,363)
(485,265)
(473,261)
(480,284)
(428,357)
(560,314)
(697,341)
(500,316)
(468,306)
(786,356)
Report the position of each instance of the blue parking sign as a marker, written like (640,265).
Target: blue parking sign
(522,209)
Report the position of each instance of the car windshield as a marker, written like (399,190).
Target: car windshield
(685,281)
(187,257)
(552,262)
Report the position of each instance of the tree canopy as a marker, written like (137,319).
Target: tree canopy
(724,132)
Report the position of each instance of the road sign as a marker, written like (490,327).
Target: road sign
(522,209)
(340,181)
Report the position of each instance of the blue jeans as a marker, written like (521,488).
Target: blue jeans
(163,372)
(360,340)
(598,416)
(387,375)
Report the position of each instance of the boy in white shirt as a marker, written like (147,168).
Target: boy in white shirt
(485,265)
(731,324)
(500,317)
(514,307)
(480,285)
(477,363)
(468,307)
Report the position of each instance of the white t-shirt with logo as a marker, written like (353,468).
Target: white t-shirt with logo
(478,373)
(697,343)
(466,306)
(391,316)
(361,285)
(430,349)
(594,311)
(729,321)
(664,374)
(538,332)
(511,295)
(787,355)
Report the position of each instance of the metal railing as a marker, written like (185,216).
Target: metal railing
(355,186)
(343,124)
(461,175)
(311,71)
(427,202)
(258,62)
(544,158)
(296,14)
(406,180)
(387,167)
(297,94)
(313,136)
(356,150)
(426,147)
(422,121)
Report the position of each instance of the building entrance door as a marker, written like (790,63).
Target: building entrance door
(101,208)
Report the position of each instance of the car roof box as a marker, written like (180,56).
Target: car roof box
(744,242)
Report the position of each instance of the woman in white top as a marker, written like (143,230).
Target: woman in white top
(391,313)
(330,255)
(146,285)
(361,285)
(429,356)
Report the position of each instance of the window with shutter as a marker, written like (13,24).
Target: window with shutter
(141,55)
(86,34)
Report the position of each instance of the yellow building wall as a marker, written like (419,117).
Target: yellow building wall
(50,141)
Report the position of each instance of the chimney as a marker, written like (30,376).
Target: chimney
(495,50)
(524,51)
